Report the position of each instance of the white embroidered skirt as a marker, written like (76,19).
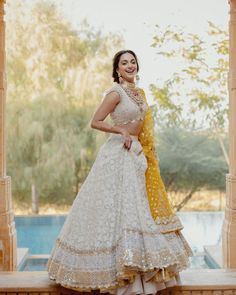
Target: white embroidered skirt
(109,240)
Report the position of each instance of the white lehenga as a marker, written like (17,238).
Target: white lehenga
(109,240)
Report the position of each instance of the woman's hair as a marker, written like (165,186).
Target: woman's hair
(116,60)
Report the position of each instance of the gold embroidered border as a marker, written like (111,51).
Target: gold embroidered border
(73,250)
(108,279)
(129,263)
(133,257)
(65,245)
(169,224)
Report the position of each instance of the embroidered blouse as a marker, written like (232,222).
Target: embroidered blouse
(127,110)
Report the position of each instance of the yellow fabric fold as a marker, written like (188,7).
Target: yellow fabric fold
(157,196)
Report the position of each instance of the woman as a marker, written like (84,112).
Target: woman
(121,235)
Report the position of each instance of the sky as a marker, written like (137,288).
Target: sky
(136,21)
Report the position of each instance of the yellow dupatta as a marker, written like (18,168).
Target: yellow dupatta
(160,206)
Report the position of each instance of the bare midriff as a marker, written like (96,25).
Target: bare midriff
(134,128)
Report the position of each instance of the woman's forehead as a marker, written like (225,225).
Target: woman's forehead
(127,56)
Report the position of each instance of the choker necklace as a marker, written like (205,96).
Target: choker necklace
(129,84)
(134,94)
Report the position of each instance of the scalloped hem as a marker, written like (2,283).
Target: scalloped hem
(134,281)
(134,284)
(138,286)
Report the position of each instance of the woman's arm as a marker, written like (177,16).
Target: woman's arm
(107,106)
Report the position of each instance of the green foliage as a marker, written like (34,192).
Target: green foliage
(56,77)
(191,161)
(195,98)
(199,88)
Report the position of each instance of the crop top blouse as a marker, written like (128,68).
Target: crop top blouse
(127,110)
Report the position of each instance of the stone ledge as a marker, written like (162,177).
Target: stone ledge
(214,256)
(191,280)
(22,254)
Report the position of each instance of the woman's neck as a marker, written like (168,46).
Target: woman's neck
(128,84)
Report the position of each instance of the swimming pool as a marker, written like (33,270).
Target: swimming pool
(38,233)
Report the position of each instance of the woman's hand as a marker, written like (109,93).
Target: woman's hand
(127,139)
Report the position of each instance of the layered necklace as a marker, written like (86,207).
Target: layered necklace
(134,93)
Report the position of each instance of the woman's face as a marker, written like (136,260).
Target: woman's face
(127,67)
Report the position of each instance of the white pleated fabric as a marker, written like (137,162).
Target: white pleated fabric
(109,240)
(140,286)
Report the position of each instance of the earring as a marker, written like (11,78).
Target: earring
(121,81)
(137,78)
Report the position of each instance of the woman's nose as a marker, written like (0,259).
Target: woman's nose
(130,66)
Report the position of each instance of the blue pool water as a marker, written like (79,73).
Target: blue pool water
(34,264)
(38,233)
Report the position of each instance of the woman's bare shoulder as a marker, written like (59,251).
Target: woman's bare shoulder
(115,90)
(113,94)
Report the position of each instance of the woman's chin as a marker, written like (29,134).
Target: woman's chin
(129,79)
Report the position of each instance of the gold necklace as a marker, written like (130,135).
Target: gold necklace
(134,93)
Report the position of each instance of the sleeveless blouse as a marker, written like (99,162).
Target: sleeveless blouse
(126,110)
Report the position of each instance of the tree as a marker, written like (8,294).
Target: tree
(201,80)
(190,162)
(56,77)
